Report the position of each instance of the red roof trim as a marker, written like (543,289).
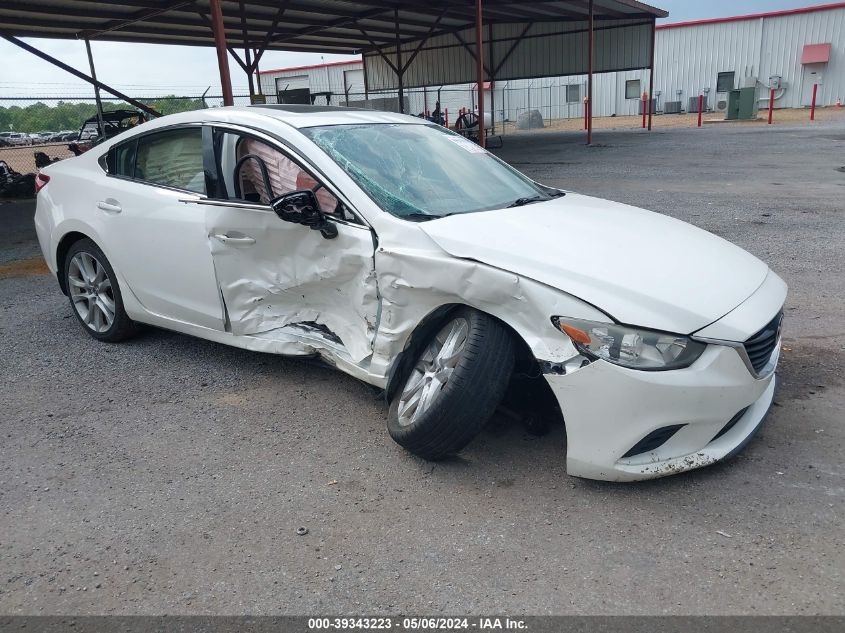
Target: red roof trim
(755,16)
(311,67)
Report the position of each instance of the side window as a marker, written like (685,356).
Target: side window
(254,171)
(121,159)
(632,89)
(725,82)
(172,158)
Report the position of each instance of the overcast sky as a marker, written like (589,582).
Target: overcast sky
(145,70)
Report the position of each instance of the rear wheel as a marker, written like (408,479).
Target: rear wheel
(458,380)
(94,293)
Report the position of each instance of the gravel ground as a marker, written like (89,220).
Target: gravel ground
(21,158)
(781,116)
(169,474)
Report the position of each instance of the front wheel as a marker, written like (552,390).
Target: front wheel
(459,378)
(94,294)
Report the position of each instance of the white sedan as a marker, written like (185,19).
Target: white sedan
(414,260)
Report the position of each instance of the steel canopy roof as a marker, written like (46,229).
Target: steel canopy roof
(329,26)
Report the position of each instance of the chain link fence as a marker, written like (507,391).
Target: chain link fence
(509,105)
(38,130)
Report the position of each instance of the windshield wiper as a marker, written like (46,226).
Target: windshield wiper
(520,202)
(423,217)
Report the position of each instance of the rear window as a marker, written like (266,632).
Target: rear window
(172,158)
(121,159)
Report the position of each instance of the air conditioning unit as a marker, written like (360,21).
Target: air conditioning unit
(672,107)
(721,103)
(692,106)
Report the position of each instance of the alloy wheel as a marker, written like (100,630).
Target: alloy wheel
(91,292)
(432,371)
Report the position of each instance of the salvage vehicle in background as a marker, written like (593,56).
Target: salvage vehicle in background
(411,258)
(14,184)
(114,122)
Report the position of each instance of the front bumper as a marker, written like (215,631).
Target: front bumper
(608,409)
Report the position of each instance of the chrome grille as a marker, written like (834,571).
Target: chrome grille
(760,346)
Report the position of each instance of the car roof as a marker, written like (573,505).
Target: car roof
(301,116)
(297,116)
(265,116)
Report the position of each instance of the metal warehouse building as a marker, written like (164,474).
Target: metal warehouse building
(788,50)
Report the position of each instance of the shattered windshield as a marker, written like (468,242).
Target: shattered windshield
(423,172)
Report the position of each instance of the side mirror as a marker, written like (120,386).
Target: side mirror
(301,207)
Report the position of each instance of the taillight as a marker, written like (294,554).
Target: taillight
(40,181)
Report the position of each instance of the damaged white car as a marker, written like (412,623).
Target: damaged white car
(416,261)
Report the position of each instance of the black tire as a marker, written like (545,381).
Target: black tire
(121,326)
(462,406)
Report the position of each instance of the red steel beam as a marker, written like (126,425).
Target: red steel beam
(590,77)
(651,72)
(479,47)
(813,104)
(222,53)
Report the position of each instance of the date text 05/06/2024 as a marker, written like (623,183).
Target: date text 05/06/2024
(417,623)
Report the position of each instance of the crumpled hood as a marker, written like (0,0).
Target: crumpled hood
(640,267)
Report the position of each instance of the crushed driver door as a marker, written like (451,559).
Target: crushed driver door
(280,277)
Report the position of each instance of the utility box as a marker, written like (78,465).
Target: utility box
(742,104)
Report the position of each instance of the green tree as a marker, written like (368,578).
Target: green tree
(65,115)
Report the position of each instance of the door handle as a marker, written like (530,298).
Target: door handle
(109,206)
(235,241)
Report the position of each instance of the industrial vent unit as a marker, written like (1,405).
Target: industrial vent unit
(693,105)
(672,107)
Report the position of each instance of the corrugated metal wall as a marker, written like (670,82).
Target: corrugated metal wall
(687,58)
(783,40)
(550,49)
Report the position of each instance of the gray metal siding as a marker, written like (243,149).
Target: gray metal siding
(549,49)
(687,58)
(782,42)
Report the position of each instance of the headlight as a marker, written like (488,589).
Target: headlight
(630,347)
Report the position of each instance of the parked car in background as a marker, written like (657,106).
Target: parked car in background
(17,138)
(411,258)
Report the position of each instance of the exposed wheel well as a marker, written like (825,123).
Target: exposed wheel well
(528,394)
(525,361)
(61,253)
